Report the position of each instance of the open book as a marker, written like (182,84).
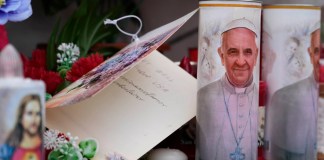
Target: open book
(128,113)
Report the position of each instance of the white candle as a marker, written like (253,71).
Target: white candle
(320,131)
(167,154)
(22,104)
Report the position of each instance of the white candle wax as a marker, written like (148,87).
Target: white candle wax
(320,132)
(167,154)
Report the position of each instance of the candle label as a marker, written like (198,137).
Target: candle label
(21,121)
(291,52)
(228,80)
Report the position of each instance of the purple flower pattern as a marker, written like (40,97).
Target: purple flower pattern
(14,10)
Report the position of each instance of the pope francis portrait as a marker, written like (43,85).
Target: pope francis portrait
(228,108)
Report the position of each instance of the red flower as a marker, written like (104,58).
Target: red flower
(3,37)
(35,69)
(262,93)
(51,79)
(33,72)
(261,153)
(321,77)
(185,64)
(39,58)
(83,66)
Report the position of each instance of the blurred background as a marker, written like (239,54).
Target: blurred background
(36,31)
(154,13)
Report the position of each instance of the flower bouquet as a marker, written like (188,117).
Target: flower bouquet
(61,146)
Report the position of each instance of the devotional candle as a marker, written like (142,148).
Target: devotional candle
(21,110)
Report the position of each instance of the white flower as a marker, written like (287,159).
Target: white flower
(73,140)
(115,156)
(62,47)
(261,125)
(52,140)
(70,53)
(76,51)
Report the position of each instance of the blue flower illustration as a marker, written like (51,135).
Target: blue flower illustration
(14,10)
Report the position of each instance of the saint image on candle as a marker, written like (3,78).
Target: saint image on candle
(228,107)
(293,112)
(25,140)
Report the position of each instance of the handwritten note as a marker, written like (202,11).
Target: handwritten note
(157,82)
(135,112)
(133,89)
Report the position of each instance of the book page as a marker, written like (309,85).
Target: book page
(135,112)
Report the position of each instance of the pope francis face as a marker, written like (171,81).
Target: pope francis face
(239,54)
(314,52)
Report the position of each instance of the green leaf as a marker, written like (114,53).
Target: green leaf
(51,48)
(100,37)
(67,31)
(83,8)
(63,85)
(72,153)
(48,96)
(75,30)
(55,155)
(84,38)
(97,27)
(89,148)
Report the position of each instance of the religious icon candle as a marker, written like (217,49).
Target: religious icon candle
(167,154)
(291,52)
(228,80)
(21,111)
(320,132)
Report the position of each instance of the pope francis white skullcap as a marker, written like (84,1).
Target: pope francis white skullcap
(314,27)
(240,23)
